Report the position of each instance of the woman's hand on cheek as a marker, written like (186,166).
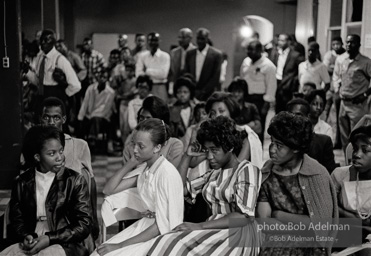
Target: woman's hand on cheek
(41,243)
(188,226)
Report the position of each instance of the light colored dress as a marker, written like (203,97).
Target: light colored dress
(161,189)
(226,191)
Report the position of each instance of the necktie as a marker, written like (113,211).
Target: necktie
(41,76)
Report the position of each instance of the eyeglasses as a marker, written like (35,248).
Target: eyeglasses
(56,118)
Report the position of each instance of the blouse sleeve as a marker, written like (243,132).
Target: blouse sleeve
(175,152)
(247,189)
(196,179)
(169,200)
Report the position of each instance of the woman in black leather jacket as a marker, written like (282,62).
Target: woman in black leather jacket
(49,207)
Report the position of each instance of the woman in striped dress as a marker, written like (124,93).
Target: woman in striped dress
(230,188)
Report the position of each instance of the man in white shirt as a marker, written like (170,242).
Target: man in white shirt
(178,54)
(53,73)
(313,70)
(156,64)
(204,63)
(260,75)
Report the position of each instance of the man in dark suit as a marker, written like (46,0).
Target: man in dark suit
(204,63)
(287,61)
(320,147)
(178,54)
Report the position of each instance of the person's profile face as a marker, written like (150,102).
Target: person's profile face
(143,147)
(51,157)
(53,116)
(279,153)
(361,156)
(219,109)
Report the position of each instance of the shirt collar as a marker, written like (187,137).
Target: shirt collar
(155,165)
(204,51)
(284,52)
(51,53)
(157,53)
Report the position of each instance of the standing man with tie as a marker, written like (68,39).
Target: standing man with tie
(178,54)
(54,74)
(204,63)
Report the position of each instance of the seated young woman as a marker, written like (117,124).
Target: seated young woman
(353,182)
(159,186)
(229,186)
(295,188)
(172,150)
(49,205)
(223,104)
(154,107)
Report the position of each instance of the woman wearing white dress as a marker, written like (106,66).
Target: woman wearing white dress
(159,186)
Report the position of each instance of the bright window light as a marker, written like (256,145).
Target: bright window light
(246,32)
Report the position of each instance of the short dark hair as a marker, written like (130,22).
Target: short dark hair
(53,102)
(223,133)
(337,38)
(144,79)
(159,131)
(293,130)
(362,133)
(60,41)
(87,39)
(157,107)
(239,84)
(115,51)
(312,95)
(139,35)
(187,82)
(298,101)
(47,32)
(315,45)
(227,99)
(35,139)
